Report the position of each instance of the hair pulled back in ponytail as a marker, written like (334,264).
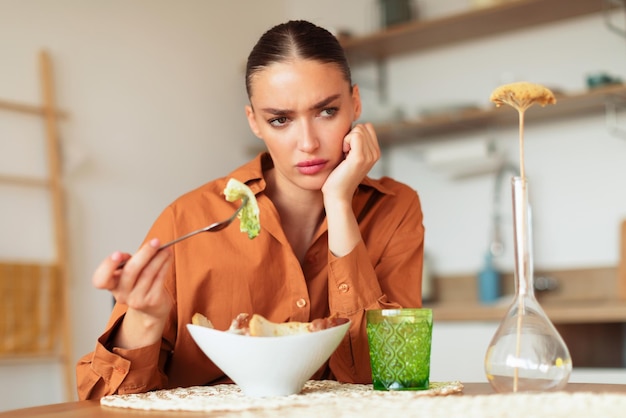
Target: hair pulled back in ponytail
(296,39)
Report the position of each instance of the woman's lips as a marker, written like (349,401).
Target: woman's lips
(311,166)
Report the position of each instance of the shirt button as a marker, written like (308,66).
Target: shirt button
(120,370)
(343,287)
(301,303)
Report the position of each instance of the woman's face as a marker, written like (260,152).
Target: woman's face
(302,110)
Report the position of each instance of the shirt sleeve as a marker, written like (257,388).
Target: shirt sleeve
(112,370)
(358,283)
(107,371)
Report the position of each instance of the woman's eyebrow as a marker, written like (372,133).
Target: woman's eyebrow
(319,105)
(278,112)
(325,102)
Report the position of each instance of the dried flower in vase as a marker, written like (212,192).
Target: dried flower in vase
(521,96)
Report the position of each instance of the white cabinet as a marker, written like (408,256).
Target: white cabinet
(589,375)
(458,352)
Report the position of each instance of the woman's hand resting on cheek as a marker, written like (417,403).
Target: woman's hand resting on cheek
(362,151)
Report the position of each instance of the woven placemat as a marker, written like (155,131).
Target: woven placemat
(230,398)
(337,400)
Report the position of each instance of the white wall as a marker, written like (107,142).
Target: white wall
(155,93)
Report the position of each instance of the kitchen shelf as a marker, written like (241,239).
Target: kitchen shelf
(559,313)
(425,128)
(488,21)
(423,34)
(573,301)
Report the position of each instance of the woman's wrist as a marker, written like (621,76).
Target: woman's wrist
(343,229)
(138,330)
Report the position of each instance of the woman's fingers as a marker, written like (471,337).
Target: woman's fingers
(363,152)
(157,296)
(362,144)
(139,284)
(142,257)
(148,287)
(140,281)
(136,265)
(370,148)
(106,275)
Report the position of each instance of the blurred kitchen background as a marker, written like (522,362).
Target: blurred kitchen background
(153,92)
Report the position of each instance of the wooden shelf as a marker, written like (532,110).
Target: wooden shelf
(420,35)
(489,21)
(561,313)
(572,302)
(590,101)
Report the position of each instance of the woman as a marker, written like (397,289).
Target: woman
(332,241)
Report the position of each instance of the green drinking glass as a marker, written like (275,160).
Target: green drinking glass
(399,345)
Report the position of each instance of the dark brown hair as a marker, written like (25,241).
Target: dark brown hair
(296,39)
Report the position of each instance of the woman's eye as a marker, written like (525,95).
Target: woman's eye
(278,121)
(329,112)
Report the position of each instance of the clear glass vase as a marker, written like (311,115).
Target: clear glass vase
(526,352)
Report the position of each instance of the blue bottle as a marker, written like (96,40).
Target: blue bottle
(488,282)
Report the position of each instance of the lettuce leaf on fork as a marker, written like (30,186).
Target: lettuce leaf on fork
(249,215)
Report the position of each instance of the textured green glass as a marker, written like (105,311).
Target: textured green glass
(399,344)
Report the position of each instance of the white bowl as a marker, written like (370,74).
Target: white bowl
(268,366)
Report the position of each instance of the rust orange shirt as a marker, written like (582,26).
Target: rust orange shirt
(223,274)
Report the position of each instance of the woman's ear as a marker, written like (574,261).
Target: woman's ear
(252,121)
(356,102)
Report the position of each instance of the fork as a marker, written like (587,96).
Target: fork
(214,227)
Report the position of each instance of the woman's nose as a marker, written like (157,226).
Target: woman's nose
(308,140)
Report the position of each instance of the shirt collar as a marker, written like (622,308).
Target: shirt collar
(375,184)
(251,173)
